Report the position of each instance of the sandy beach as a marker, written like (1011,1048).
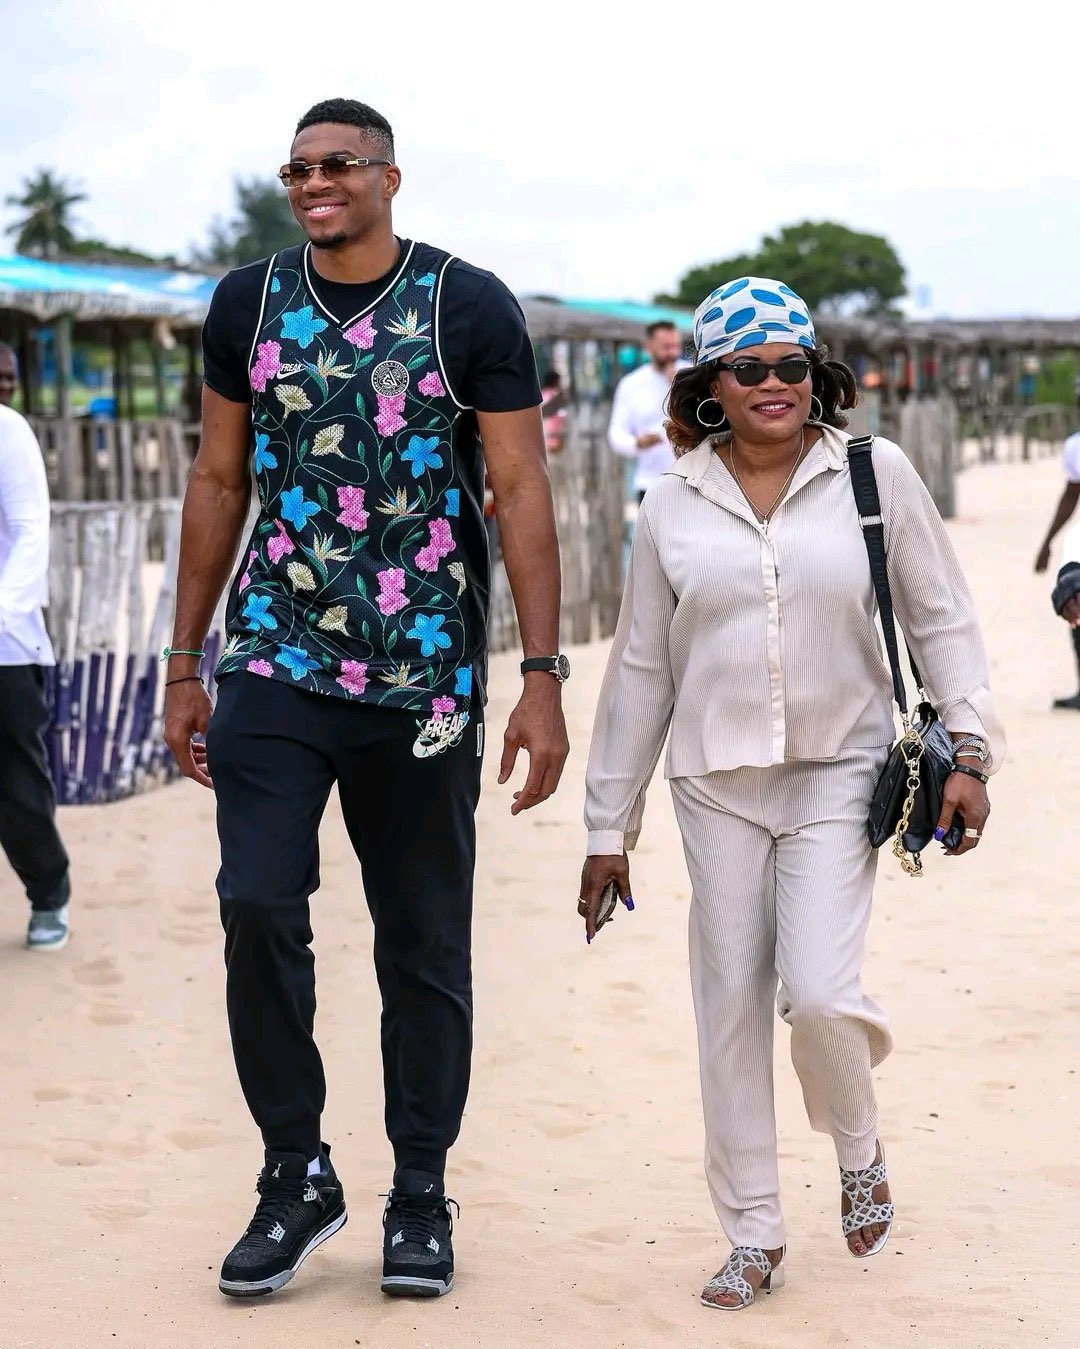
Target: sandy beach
(130,1160)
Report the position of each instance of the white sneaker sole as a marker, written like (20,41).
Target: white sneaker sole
(405,1285)
(48,945)
(257,1288)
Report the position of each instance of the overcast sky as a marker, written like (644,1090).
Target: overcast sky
(577,149)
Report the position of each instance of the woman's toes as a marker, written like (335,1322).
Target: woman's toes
(856,1242)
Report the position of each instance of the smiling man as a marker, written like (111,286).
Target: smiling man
(365,380)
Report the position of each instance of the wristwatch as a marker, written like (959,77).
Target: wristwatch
(558,666)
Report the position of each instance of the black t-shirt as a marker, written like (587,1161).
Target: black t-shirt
(484,341)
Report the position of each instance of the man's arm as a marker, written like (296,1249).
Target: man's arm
(516,464)
(24,500)
(1064,513)
(215,507)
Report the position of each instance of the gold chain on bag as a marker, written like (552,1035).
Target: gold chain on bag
(912,748)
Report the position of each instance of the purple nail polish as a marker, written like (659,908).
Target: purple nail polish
(939,833)
(629,901)
(588,940)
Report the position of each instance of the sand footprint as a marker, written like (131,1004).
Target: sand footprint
(110,1016)
(53,1094)
(98,973)
(191,1140)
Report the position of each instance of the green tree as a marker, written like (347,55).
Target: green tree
(45,231)
(835,269)
(263,224)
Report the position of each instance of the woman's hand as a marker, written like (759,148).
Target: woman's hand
(966,795)
(595,875)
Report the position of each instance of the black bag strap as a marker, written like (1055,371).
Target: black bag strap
(868,503)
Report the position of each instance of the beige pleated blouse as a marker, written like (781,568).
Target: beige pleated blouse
(758,644)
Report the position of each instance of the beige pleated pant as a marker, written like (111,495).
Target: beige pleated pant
(782,878)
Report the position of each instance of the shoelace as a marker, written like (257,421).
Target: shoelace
(417,1215)
(277,1195)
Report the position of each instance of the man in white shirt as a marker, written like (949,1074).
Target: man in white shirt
(1071,551)
(636,430)
(28,833)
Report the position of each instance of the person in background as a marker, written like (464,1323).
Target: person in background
(636,430)
(1066,508)
(28,832)
(553,411)
(9,374)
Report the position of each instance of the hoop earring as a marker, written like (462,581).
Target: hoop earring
(819,416)
(713,426)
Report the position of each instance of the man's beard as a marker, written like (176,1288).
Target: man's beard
(335,241)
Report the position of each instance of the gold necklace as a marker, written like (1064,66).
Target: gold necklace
(767,515)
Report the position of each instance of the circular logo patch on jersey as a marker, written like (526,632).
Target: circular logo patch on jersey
(390,378)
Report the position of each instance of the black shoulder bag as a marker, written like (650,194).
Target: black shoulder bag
(906,804)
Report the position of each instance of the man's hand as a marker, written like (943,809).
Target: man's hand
(1042,561)
(537,724)
(187,713)
(648,439)
(1071,612)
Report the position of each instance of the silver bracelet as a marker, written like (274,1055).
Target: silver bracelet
(972,744)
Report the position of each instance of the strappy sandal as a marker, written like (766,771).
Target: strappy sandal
(864,1212)
(730,1279)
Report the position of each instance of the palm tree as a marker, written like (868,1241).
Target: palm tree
(45,231)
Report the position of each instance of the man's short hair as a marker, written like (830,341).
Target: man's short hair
(348,112)
(661,325)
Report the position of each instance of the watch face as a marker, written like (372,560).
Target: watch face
(562,668)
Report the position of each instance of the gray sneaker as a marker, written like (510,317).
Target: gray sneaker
(48,929)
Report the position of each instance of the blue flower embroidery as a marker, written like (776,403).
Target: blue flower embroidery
(453,501)
(275,285)
(295,509)
(463,687)
(263,457)
(422,454)
(427,630)
(296,661)
(301,325)
(256,613)
(428,280)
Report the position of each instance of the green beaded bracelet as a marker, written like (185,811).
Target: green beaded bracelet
(171,651)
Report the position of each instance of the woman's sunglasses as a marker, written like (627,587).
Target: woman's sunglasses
(332,167)
(791,370)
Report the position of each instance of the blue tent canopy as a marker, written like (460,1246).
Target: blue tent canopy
(46,290)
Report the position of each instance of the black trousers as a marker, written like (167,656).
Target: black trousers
(28,832)
(1075,632)
(274,753)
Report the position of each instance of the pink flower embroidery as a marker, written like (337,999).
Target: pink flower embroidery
(245,580)
(391,595)
(442,707)
(361,334)
(353,677)
(389,417)
(281,546)
(432,385)
(440,544)
(351,501)
(267,364)
(260,667)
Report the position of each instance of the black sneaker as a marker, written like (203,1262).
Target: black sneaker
(295,1213)
(1068,704)
(418,1255)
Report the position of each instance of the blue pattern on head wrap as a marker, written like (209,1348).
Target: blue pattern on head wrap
(765,311)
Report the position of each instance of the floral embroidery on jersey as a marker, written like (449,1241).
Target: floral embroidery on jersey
(440,544)
(391,590)
(267,364)
(355,581)
(361,334)
(302,327)
(352,514)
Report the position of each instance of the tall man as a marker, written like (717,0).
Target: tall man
(636,430)
(28,831)
(1062,515)
(363,371)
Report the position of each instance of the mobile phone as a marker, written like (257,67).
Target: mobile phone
(609,897)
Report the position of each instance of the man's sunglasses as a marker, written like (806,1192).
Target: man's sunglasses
(791,370)
(332,167)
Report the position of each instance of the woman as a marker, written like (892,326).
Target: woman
(748,626)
